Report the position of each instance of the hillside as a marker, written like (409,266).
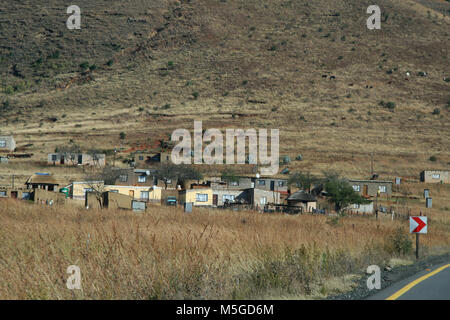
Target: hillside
(148,67)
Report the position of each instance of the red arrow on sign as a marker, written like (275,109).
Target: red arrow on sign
(420,223)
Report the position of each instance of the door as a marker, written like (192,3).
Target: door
(14,194)
(272,185)
(131,193)
(62,159)
(80,159)
(365,190)
(215,199)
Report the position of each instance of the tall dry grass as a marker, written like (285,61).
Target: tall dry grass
(167,254)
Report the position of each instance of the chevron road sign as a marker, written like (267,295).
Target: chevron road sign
(418,224)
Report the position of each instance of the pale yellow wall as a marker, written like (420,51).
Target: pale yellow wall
(191,196)
(154,194)
(78,188)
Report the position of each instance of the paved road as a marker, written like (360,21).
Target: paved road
(429,284)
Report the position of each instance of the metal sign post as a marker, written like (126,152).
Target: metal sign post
(418,225)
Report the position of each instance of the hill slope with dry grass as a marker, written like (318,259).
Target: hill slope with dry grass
(146,68)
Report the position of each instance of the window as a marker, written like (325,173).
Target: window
(281,183)
(356,206)
(144,195)
(200,197)
(54,157)
(2,143)
(261,182)
(142,179)
(234,183)
(357,188)
(25,196)
(3,194)
(382,189)
(263,200)
(169,181)
(115,191)
(436,176)
(141,158)
(123,178)
(86,190)
(228,197)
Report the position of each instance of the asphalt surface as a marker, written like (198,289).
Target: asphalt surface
(430,284)
(436,286)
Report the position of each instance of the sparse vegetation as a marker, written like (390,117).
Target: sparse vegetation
(388,105)
(170,255)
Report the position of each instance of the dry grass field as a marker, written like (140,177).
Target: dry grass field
(211,254)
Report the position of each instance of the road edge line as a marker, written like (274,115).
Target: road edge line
(415,282)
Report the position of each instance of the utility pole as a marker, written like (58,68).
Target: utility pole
(371,163)
(376,205)
(12,181)
(417,242)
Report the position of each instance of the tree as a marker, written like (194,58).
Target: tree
(98,179)
(302,180)
(341,193)
(170,172)
(69,152)
(95,154)
(229,176)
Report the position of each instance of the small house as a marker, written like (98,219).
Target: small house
(199,197)
(435,176)
(302,200)
(74,159)
(7,143)
(16,193)
(110,200)
(259,198)
(145,159)
(141,193)
(370,188)
(270,184)
(77,190)
(361,208)
(43,181)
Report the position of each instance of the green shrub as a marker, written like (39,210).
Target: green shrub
(433,159)
(389,105)
(399,243)
(84,65)
(436,111)
(54,55)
